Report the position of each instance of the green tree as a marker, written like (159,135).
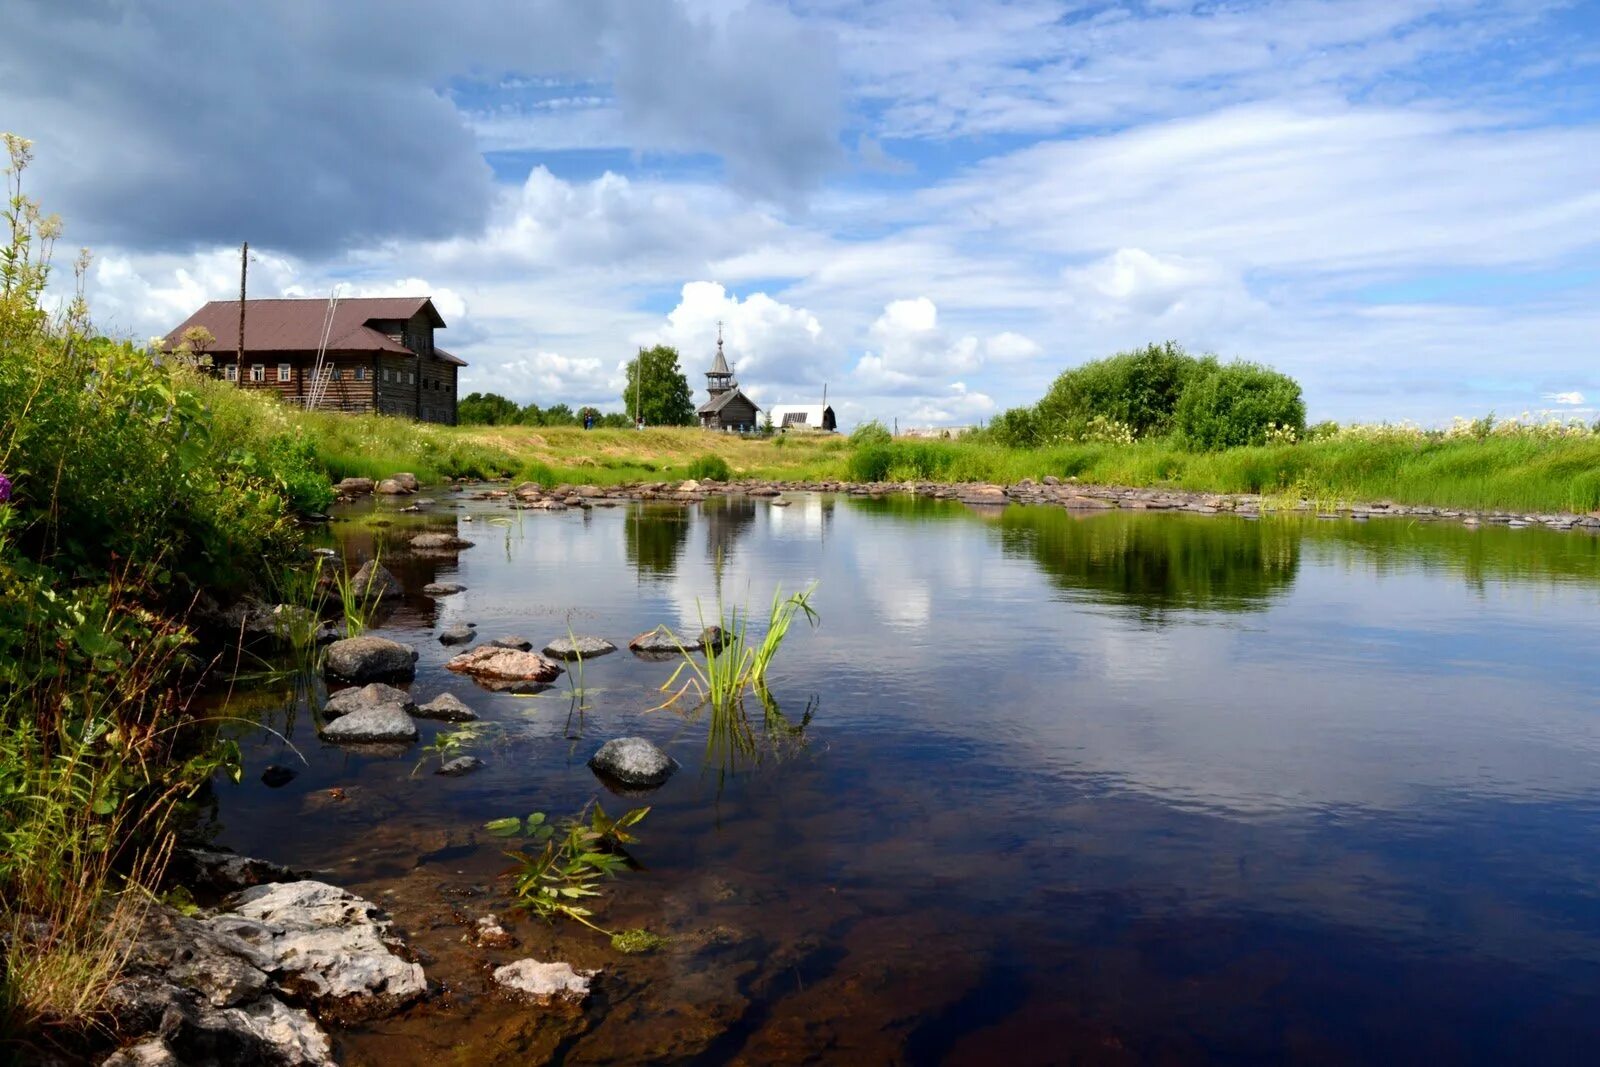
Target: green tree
(486,409)
(1236,404)
(662,397)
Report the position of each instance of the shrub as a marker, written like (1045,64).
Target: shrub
(1238,404)
(870,433)
(1139,389)
(1016,428)
(710,467)
(871,463)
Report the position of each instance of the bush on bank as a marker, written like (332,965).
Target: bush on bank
(126,490)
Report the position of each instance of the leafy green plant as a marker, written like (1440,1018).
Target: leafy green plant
(448,744)
(871,432)
(569,865)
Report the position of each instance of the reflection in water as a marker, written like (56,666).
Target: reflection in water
(1341,805)
(655,536)
(726,519)
(1183,561)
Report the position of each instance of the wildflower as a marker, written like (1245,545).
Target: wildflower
(5,489)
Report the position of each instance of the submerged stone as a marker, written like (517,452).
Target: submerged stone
(573,647)
(545,981)
(436,542)
(443,588)
(460,765)
(376,725)
(457,634)
(274,776)
(371,695)
(516,641)
(445,707)
(633,762)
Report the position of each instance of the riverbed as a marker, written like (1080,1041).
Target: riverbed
(1042,785)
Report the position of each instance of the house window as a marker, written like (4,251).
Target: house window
(233,372)
(258,372)
(411,377)
(285,372)
(361,374)
(333,374)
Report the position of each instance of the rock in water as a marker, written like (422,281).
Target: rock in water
(354,487)
(545,981)
(633,762)
(663,642)
(446,708)
(274,776)
(225,872)
(504,667)
(204,996)
(326,945)
(460,765)
(437,542)
(387,723)
(573,647)
(457,634)
(406,480)
(370,659)
(374,582)
(372,695)
(443,588)
(516,641)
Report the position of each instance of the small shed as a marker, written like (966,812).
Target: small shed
(803,416)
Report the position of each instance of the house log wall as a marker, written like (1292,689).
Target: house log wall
(392,385)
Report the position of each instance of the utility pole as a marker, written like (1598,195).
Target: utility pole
(244,268)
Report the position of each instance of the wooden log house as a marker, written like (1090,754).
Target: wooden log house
(379,357)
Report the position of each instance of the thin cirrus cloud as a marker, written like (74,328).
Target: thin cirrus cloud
(934,208)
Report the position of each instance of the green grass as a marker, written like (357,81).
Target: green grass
(1513,472)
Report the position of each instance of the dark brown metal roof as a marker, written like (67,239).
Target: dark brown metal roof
(295,325)
(717,403)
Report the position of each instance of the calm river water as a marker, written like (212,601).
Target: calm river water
(1116,788)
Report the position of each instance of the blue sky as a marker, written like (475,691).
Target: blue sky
(932,207)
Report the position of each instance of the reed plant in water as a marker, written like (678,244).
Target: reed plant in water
(736,663)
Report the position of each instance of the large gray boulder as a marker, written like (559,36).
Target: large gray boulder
(385,724)
(504,668)
(544,982)
(574,647)
(406,481)
(445,707)
(371,695)
(326,946)
(633,762)
(374,582)
(196,995)
(370,659)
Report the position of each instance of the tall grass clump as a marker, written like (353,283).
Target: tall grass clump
(124,498)
(710,467)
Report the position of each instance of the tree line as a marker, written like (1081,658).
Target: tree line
(656,391)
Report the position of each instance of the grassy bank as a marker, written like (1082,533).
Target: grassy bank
(1511,470)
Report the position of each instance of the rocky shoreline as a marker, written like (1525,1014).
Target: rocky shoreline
(1051,492)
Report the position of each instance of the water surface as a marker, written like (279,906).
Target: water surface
(1044,787)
